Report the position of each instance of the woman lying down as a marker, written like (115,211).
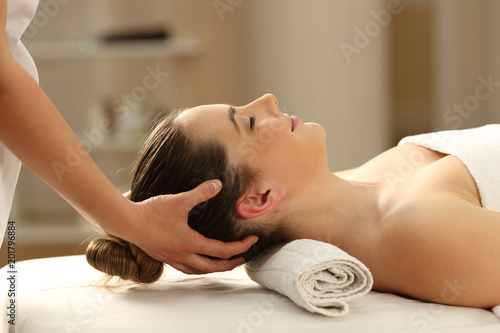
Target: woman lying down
(418,229)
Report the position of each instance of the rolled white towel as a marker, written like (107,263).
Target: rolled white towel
(315,275)
(496,310)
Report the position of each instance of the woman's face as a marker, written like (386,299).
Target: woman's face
(283,150)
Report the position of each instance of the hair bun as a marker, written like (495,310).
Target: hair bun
(116,257)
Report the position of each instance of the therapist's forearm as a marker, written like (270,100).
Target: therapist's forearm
(3,20)
(32,128)
(4,51)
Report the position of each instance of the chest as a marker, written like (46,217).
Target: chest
(410,172)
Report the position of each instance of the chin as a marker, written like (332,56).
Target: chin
(318,131)
(315,126)
(318,139)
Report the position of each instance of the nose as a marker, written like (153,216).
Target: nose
(270,104)
(270,99)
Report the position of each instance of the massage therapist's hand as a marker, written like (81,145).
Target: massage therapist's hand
(162,231)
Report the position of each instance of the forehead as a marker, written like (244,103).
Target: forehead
(207,120)
(203,113)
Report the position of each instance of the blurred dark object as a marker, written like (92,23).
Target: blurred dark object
(137,36)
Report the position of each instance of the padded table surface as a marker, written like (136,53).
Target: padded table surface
(57,295)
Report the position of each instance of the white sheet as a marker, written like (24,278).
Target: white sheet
(54,296)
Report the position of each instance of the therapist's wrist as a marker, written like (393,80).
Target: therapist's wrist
(3,18)
(7,66)
(120,221)
(5,54)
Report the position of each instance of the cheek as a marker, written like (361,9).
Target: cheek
(279,152)
(274,148)
(262,146)
(272,131)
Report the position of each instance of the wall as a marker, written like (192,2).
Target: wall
(293,50)
(466,48)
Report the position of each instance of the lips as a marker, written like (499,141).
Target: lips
(295,122)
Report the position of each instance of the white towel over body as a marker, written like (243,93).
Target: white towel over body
(479,149)
(315,275)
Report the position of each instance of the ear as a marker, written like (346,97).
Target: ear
(256,204)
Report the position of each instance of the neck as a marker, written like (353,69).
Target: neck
(335,211)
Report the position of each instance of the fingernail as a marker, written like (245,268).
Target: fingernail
(216,184)
(255,239)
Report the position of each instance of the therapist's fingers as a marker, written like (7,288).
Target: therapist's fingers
(199,194)
(186,268)
(222,250)
(196,258)
(200,263)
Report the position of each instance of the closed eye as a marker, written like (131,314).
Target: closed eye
(252,122)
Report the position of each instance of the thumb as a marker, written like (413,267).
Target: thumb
(201,193)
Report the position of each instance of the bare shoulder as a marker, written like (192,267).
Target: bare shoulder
(442,249)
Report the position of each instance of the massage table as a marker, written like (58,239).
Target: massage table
(61,294)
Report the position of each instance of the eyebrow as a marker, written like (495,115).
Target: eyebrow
(231,112)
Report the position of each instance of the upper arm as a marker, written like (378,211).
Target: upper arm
(448,253)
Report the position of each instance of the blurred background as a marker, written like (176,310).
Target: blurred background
(370,71)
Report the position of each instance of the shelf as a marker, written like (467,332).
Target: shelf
(94,49)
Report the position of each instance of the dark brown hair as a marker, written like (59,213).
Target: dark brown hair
(173,161)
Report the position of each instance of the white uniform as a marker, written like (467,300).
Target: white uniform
(19,15)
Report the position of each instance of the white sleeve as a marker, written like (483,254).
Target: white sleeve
(19,15)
